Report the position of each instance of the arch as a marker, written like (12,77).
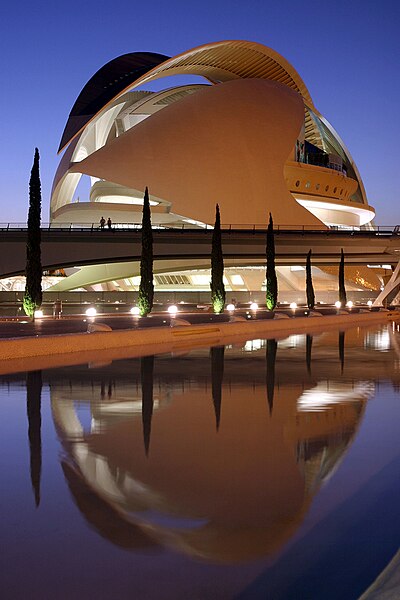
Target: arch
(105,85)
(218,62)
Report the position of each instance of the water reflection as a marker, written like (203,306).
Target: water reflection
(341,350)
(229,497)
(271,348)
(217,374)
(309,340)
(146,373)
(33,408)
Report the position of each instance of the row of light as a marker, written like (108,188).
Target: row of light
(92,312)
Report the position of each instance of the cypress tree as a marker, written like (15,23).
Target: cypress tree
(146,287)
(33,270)
(342,289)
(217,267)
(271,282)
(309,284)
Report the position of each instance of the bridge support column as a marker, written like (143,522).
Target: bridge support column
(391,285)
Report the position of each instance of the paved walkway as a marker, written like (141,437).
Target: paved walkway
(14,328)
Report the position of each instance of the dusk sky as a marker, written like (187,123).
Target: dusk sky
(346,51)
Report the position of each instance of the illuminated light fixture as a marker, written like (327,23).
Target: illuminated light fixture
(293,305)
(338,304)
(230,307)
(254,306)
(172,310)
(135,310)
(349,304)
(38,314)
(369,303)
(91,312)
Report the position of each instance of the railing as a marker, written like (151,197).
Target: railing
(384,230)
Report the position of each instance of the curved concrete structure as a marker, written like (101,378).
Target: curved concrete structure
(114,114)
(249,138)
(211,146)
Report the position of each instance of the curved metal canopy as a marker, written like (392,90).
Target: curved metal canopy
(106,84)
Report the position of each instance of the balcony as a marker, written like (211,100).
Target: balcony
(326,193)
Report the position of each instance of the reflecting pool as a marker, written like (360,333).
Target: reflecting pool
(269,470)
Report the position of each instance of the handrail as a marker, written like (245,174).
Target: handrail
(286,228)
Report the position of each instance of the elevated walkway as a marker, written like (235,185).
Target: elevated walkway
(67,246)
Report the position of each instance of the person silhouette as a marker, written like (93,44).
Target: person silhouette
(109,223)
(102,222)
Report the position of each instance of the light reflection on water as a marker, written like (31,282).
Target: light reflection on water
(206,474)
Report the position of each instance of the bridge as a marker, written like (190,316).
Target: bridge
(71,246)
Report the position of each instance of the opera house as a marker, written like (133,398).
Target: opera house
(248,137)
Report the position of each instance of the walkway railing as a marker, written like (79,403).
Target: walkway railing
(76,227)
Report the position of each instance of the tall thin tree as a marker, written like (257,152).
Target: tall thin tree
(217,267)
(342,289)
(33,270)
(271,280)
(146,287)
(309,284)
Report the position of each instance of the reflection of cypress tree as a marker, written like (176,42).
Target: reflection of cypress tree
(309,340)
(309,284)
(33,407)
(342,289)
(270,379)
(217,374)
(146,376)
(341,350)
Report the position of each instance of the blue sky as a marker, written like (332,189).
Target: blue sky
(346,51)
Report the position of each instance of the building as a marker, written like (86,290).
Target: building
(249,138)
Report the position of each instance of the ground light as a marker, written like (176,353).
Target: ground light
(91,312)
(230,307)
(172,310)
(338,304)
(254,306)
(38,314)
(369,303)
(135,310)
(349,304)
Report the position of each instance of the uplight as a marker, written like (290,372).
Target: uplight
(254,306)
(91,312)
(369,303)
(230,307)
(172,310)
(293,305)
(38,314)
(338,304)
(135,310)
(349,304)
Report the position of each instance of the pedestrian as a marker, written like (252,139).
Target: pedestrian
(102,222)
(109,223)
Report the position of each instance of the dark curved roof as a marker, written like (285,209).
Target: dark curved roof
(108,82)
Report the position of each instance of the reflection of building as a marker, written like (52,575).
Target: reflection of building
(249,137)
(227,496)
